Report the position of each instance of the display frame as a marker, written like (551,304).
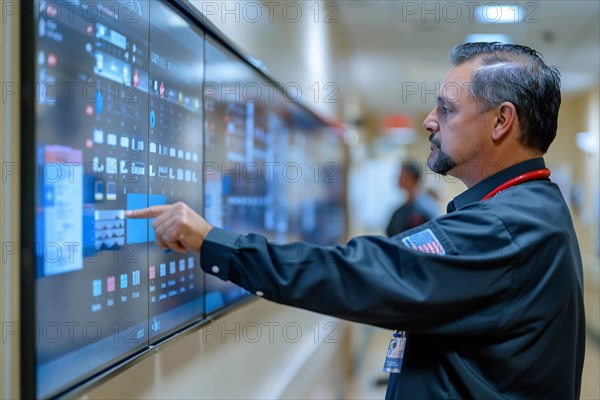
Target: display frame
(28,44)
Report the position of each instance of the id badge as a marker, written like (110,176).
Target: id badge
(395,353)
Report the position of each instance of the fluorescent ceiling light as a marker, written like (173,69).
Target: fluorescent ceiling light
(587,142)
(488,37)
(496,14)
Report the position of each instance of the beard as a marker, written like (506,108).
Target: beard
(443,162)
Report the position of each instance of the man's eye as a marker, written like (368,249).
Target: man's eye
(442,110)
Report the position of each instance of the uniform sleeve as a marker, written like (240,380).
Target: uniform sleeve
(451,275)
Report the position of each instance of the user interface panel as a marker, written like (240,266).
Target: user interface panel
(175,144)
(240,143)
(136,106)
(118,126)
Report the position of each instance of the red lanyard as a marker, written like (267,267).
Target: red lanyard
(528,176)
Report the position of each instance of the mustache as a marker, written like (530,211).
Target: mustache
(434,140)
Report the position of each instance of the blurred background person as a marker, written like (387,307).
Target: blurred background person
(419,207)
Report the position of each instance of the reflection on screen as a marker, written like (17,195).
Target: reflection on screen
(118,126)
(271,168)
(230,202)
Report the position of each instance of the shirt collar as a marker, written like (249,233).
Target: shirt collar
(478,191)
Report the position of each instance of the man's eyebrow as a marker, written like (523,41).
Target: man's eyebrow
(444,100)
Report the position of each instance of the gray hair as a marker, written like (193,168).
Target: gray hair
(519,75)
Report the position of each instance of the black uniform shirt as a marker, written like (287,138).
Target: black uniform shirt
(410,214)
(490,294)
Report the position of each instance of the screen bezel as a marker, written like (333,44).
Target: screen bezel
(28,348)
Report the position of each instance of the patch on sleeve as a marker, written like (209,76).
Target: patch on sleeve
(425,242)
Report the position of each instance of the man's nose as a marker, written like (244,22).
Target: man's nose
(430,124)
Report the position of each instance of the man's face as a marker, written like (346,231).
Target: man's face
(458,132)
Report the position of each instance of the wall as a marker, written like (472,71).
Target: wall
(9,205)
(260,351)
(581,113)
(576,170)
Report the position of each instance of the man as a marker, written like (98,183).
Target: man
(418,208)
(490,294)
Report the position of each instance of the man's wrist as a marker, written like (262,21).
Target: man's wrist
(206,230)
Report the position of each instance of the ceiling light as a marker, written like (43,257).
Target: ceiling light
(488,37)
(497,14)
(351,137)
(587,142)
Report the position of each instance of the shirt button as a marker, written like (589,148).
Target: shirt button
(259,293)
(215,269)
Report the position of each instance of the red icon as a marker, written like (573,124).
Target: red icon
(110,284)
(136,79)
(51,11)
(152,272)
(162,90)
(52,60)
(89,111)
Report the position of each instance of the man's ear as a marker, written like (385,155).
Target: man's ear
(506,119)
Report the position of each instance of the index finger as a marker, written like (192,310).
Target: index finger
(150,212)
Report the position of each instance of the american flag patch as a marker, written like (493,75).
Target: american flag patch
(424,241)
